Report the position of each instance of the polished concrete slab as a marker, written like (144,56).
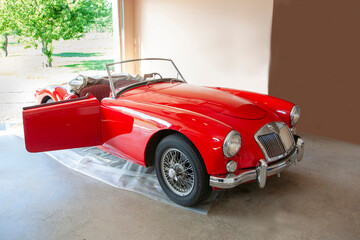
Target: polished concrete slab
(316,199)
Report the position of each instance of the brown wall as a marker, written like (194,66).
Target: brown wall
(315,62)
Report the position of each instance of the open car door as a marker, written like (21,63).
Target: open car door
(61,125)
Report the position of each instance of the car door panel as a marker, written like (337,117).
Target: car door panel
(61,125)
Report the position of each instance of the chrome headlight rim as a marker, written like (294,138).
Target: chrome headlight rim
(295,115)
(229,137)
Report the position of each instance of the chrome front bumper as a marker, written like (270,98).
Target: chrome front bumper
(262,171)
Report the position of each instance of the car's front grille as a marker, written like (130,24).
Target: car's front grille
(275,140)
(272,144)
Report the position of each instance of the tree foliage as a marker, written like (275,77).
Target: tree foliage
(43,21)
(7,23)
(104,21)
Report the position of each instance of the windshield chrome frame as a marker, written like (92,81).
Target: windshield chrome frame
(112,86)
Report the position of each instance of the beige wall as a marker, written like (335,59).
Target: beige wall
(315,62)
(222,43)
(314,51)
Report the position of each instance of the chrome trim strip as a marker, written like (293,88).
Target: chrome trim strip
(112,86)
(259,172)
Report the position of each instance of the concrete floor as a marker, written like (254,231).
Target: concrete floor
(317,199)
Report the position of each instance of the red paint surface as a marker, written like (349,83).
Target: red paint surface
(279,106)
(57,93)
(61,125)
(204,115)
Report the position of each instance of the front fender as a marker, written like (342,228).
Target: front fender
(140,121)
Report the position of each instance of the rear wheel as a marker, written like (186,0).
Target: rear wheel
(50,100)
(180,171)
(47,100)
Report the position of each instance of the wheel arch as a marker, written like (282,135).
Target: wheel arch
(56,93)
(45,99)
(155,140)
(205,133)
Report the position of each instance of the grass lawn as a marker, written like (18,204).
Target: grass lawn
(89,65)
(78,54)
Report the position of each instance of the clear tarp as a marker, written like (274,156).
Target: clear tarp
(114,171)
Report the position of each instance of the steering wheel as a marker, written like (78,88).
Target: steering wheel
(151,75)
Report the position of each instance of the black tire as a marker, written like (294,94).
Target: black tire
(207,193)
(177,163)
(49,100)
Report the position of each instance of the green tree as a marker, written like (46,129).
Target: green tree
(104,23)
(44,21)
(7,24)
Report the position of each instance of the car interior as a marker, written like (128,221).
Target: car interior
(99,86)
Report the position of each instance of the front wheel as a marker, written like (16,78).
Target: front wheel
(181,171)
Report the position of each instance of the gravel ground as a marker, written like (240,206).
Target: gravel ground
(21,73)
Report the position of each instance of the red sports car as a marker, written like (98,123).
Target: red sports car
(198,138)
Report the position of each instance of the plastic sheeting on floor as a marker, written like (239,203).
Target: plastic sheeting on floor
(114,171)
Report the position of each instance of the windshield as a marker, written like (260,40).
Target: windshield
(129,74)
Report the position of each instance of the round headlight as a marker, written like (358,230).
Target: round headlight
(295,114)
(232,144)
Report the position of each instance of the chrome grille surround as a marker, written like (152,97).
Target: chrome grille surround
(275,140)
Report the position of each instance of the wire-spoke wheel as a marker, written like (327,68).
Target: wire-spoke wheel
(181,171)
(177,171)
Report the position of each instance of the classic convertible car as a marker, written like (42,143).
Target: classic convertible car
(198,138)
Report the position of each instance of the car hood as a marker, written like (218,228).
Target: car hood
(204,100)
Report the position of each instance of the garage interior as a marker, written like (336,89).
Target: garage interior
(304,52)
